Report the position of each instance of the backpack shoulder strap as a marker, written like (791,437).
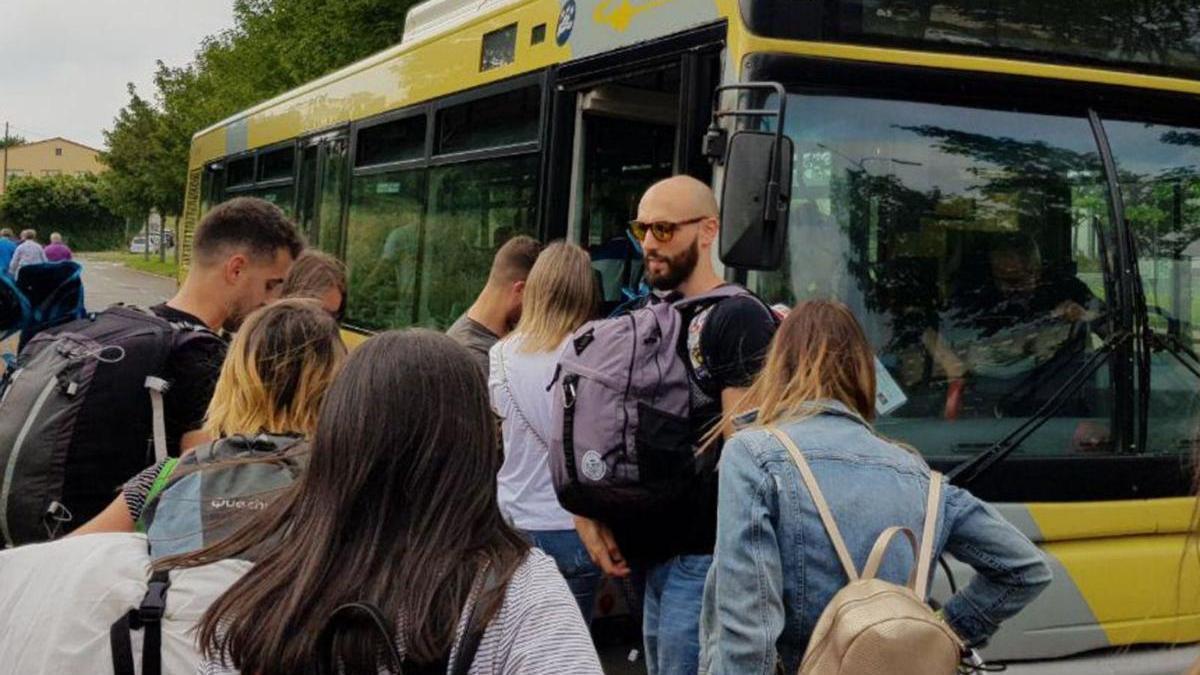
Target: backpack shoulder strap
(925,556)
(814,490)
(148,615)
(473,632)
(512,397)
(380,626)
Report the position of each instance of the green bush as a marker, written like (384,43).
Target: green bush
(69,205)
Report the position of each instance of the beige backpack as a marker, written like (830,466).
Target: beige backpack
(871,625)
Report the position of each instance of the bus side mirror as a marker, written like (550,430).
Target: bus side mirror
(754,200)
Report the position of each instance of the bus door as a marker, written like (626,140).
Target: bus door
(622,123)
(321,195)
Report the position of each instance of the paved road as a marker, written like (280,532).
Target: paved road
(105,283)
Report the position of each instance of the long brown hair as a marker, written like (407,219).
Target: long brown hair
(279,367)
(397,508)
(819,353)
(560,295)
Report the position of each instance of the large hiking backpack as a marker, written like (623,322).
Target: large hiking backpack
(80,413)
(872,625)
(622,443)
(91,605)
(209,493)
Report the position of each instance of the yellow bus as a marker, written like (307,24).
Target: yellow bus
(1008,197)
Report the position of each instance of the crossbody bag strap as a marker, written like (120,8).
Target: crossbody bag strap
(925,557)
(517,406)
(818,498)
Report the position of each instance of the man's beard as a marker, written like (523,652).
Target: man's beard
(678,269)
(233,321)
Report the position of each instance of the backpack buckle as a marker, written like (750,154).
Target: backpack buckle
(56,514)
(569,391)
(154,604)
(157,384)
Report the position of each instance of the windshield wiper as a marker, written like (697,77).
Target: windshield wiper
(966,473)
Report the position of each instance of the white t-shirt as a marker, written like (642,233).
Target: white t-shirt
(525,492)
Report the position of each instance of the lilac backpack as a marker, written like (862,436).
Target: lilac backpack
(621,442)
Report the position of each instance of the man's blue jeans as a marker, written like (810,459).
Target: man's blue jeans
(671,614)
(576,566)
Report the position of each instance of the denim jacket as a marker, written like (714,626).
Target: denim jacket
(775,568)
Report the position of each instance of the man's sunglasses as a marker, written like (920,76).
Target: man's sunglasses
(663,230)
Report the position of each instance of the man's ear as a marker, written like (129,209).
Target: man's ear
(518,288)
(235,266)
(709,229)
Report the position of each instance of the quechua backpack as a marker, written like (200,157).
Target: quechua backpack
(210,492)
(81,413)
(622,442)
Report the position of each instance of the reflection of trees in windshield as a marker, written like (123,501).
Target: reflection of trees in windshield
(1162,204)
(1010,185)
(1152,31)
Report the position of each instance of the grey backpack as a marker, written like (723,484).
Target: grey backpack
(622,443)
(209,493)
(80,413)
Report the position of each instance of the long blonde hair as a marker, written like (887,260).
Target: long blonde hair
(819,354)
(277,370)
(560,296)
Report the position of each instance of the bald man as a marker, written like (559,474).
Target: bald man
(677,224)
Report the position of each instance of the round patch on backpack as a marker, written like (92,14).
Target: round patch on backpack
(594,467)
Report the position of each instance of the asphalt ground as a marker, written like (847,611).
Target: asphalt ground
(106,283)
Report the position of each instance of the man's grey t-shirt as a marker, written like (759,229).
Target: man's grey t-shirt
(475,337)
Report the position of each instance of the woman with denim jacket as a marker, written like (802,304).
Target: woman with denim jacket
(775,568)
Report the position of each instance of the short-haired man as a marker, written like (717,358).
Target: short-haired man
(242,251)
(29,252)
(498,308)
(56,250)
(726,343)
(8,245)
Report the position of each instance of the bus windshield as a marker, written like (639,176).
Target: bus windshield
(976,247)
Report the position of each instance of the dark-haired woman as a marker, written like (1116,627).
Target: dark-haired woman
(407,522)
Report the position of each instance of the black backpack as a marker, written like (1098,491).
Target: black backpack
(364,616)
(81,413)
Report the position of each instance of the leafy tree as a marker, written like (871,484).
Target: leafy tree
(70,205)
(274,46)
(12,140)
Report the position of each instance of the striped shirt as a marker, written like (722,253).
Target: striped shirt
(538,629)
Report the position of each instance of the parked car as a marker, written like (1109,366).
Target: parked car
(138,244)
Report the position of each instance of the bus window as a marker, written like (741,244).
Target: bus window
(970,243)
(277,164)
(473,208)
(395,141)
(240,172)
(1159,171)
(331,199)
(510,118)
(383,248)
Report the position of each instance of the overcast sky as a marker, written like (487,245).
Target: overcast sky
(66,62)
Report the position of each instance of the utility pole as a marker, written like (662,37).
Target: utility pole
(4,173)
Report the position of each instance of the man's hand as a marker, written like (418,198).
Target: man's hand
(602,547)
(1074,312)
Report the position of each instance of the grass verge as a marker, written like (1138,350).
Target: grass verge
(138,261)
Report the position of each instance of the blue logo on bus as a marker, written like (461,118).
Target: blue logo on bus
(566,22)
